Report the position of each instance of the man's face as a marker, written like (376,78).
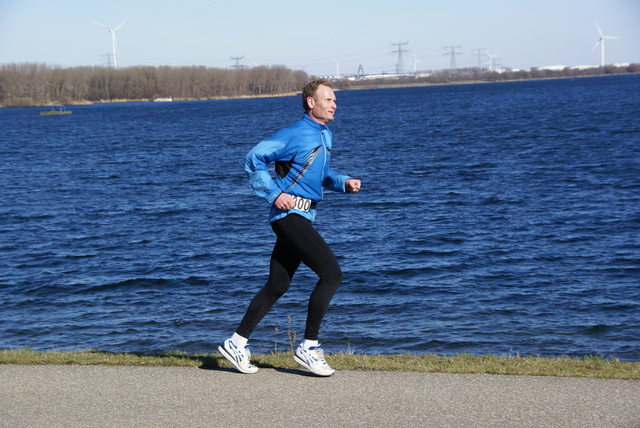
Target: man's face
(323,105)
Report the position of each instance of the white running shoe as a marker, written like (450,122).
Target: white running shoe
(313,360)
(238,357)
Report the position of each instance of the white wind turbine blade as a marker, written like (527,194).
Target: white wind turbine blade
(600,39)
(119,26)
(599,30)
(102,25)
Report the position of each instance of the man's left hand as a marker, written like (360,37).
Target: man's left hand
(352,185)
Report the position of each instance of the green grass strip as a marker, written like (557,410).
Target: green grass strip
(595,367)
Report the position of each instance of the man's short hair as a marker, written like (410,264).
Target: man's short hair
(310,90)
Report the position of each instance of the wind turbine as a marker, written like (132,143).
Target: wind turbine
(337,67)
(114,45)
(415,62)
(601,43)
(492,61)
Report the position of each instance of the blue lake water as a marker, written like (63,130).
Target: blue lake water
(494,218)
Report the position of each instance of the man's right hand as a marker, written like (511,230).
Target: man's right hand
(284,202)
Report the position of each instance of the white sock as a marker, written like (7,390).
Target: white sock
(239,341)
(306,344)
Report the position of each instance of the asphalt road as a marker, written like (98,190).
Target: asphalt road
(97,396)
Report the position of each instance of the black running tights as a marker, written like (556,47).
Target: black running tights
(297,241)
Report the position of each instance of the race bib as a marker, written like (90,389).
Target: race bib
(302,204)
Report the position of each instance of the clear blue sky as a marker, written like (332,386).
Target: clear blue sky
(312,35)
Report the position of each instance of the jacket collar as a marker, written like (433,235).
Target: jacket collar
(313,123)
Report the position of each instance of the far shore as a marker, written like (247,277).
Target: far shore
(359,86)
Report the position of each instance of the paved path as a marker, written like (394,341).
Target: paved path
(97,396)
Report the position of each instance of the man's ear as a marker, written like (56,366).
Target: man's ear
(310,102)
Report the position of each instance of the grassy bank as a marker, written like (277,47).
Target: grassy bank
(597,367)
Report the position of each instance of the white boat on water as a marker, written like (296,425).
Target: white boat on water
(163,100)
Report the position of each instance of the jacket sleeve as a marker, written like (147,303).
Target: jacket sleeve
(256,165)
(334,181)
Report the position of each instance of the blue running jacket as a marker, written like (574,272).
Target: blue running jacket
(301,154)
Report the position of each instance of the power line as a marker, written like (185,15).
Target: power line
(453,54)
(480,53)
(400,51)
(237,60)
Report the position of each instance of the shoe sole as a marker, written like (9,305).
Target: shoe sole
(306,366)
(232,361)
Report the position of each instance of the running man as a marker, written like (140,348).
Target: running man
(301,154)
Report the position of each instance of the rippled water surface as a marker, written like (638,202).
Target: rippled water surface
(494,218)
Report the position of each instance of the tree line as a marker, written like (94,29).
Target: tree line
(34,84)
